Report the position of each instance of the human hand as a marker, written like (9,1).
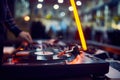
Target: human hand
(26,36)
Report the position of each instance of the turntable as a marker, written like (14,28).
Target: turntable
(53,58)
(42,52)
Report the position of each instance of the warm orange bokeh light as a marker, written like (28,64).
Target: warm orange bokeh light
(77,60)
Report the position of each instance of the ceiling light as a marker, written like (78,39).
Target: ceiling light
(56,6)
(40,0)
(62,14)
(60,1)
(39,6)
(70,8)
(78,3)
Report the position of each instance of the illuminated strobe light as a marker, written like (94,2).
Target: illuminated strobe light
(78,23)
(56,6)
(70,8)
(40,0)
(60,1)
(78,3)
(39,6)
(26,18)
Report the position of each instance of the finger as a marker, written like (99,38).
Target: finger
(29,38)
